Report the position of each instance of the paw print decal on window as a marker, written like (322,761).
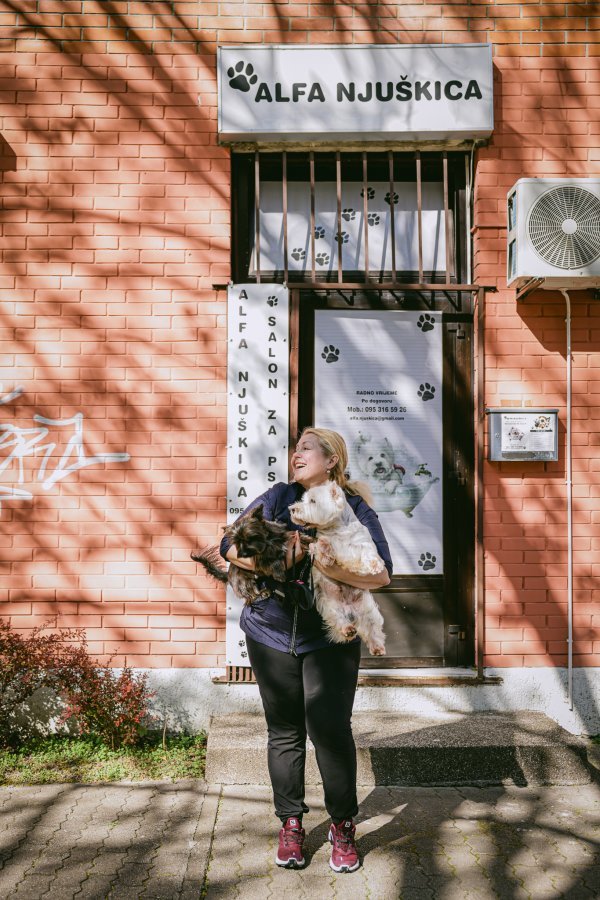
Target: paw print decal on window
(322,259)
(373,219)
(370,193)
(426,391)
(342,237)
(319,232)
(330,354)
(427,561)
(241,76)
(426,322)
(391,199)
(348,214)
(298,253)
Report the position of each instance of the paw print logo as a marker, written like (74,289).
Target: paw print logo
(348,214)
(322,259)
(342,237)
(391,199)
(298,253)
(330,354)
(241,76)
(319,232)
(425,322)
(373,219)
(370,193)
(272,301)
(426,391)
(427,561)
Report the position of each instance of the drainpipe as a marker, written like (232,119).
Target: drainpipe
(569,483)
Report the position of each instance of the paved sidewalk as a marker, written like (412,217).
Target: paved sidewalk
(190,840)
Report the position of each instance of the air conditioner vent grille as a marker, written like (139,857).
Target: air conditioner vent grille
(564,227)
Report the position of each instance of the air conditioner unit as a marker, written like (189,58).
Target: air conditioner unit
(554,233)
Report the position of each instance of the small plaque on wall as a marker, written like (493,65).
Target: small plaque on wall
(522,434)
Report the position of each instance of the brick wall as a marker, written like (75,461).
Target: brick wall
(116,225)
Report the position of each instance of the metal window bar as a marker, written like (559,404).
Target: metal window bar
(365,193)
(449,255)
(338,186)
(419,213)
(392,213)
(311,163)
(284,187)
(257,214)
(448,222)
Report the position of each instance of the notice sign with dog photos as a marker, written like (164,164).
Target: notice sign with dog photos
(378,381)
(257,412)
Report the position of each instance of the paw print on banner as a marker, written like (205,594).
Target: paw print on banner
(330,354)
(322,259)
(426,322)
(427,561)
(242,76)
(373,219)
(370,193)
(272,301)
(298,253)
(319,232)
(348,214)
(426,391)
(342,237)
(388,197)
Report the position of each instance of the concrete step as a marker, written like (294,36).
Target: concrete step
(453,748)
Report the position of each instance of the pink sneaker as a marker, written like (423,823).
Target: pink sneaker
(291,838)
(344,856)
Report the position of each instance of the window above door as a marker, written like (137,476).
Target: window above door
(346,217)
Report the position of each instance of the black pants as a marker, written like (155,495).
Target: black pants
(311,693)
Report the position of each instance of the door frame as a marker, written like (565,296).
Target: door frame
(463,645)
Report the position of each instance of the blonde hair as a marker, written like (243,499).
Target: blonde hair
(332,444)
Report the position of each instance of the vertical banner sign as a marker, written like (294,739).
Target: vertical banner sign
(378,381)
(257,411)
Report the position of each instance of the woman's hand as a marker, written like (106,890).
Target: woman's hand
(295,550)
(366,582)
(241,562)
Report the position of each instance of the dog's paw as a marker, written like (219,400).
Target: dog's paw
(349,632)
(391,486)
(324,552)
(377,649)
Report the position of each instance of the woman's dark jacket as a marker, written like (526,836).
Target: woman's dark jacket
(272,622)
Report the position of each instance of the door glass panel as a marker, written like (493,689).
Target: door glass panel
(378,381)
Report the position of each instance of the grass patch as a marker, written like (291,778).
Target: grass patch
(58,759)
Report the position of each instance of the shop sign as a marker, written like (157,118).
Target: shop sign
(378,381)
(257,410)
(402,92)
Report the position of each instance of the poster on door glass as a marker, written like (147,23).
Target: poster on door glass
(378,381)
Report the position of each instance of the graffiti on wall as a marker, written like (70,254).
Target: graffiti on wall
(40,442)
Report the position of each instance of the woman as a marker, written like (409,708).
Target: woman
(306,683)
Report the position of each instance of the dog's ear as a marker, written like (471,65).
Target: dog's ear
(362,439)
(257,512)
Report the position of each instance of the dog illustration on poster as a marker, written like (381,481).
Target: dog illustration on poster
(397,480)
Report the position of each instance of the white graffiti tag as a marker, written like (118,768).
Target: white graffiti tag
(33,442)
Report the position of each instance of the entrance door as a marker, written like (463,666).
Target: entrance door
(392,373)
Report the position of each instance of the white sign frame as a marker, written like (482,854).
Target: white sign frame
(341,93)
(257,412)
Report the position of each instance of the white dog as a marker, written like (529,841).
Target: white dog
(344,541)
